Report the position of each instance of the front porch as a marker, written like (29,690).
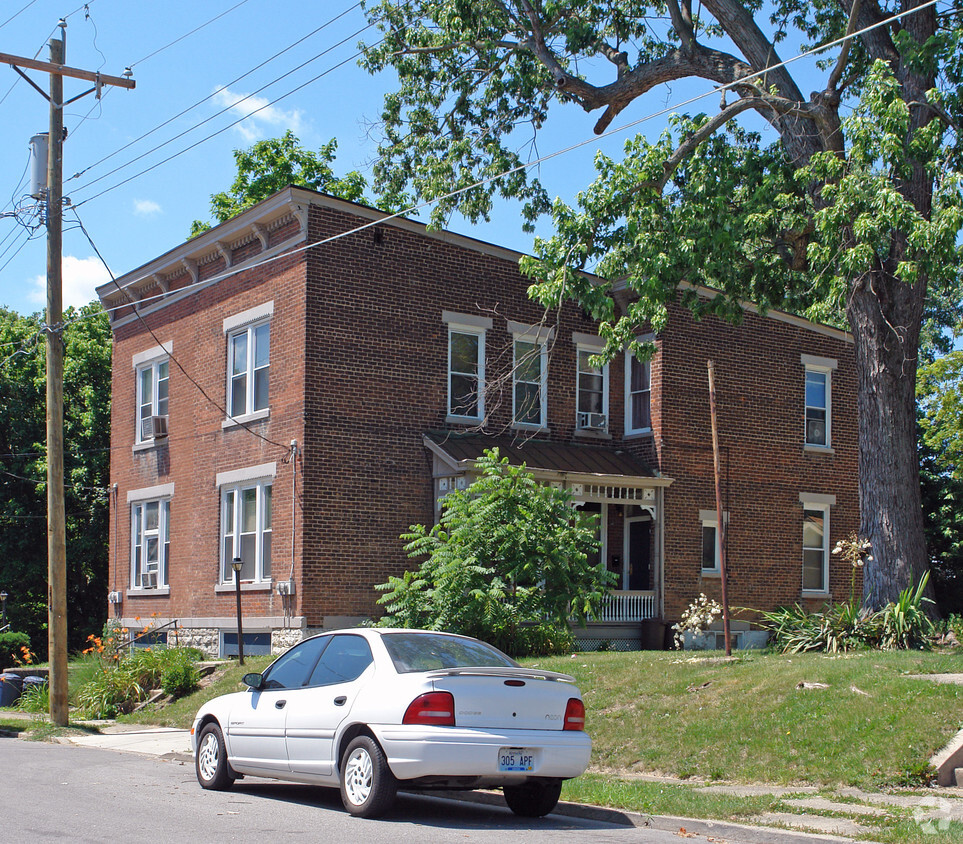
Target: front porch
(628,620)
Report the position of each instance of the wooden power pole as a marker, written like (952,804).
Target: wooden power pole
(56,518)
(720,515)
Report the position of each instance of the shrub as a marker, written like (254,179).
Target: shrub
(12,646)
(697,618)
(34,698)
(180,678)
(904,623)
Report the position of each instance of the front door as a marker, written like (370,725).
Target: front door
(639,555)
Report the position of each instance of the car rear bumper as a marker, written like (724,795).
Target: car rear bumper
(419,751)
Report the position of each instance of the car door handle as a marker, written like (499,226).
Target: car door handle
(340,700)
(279,704)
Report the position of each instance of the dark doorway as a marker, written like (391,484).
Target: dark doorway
(640,555)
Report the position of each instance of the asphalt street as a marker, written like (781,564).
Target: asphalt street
(66,792)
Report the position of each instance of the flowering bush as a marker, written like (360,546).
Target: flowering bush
(698,618)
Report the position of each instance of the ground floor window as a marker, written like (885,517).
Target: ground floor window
(815,575)
(150,541)
(246,531)
(255,644)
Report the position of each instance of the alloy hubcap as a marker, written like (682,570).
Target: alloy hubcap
(207,756)
(357,776)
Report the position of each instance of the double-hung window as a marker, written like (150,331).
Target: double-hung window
(818,398)
(249,362)
(711,541)
(592,388)
(815,542)
(466,366)
(529,374)
(246,523)
(152,373)
(638,388)
(150,536)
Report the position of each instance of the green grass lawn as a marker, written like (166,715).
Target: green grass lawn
(747,720)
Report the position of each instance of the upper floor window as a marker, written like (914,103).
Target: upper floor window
(150,543)
(530,382)
(152,407)
(249,365)
(818,419)
(466,366)
(151,377)
(246,530)
(592,386)
(638,388)
(815,541)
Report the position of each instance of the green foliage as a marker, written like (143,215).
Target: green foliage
(23,493)
(35,697)
(900,625)
(273,164)
(12,644)
(507,563)
(180,678)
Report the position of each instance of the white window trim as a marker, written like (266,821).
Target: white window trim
(466,324)
(140,498)
(249,474)
(815,501)
(246,318)
(238,486)
(824,366)
(157,356)
(710,518)
(150,355)
(628,393)
(247,325)
(539,338)
(537,333)
(592,349)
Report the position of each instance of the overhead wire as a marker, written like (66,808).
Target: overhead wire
(223,129)
(218,91)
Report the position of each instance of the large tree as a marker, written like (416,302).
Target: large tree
(855,209)
(23,495)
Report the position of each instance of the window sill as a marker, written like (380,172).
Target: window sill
(816,593)
(530,429)
(147,445)
(809,448)
(711,573)
(644,432)
(463,420)
(159,592)
(246,417)
(592,435)
(258,586)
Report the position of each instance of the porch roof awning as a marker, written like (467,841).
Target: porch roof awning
(548,460)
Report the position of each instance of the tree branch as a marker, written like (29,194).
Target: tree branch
(840,66)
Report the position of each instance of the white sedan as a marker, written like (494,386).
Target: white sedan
(374,710)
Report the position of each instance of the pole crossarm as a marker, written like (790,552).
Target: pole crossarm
(65,70)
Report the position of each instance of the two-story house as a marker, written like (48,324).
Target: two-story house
(294,388)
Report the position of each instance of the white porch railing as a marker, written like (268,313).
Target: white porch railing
(627,606)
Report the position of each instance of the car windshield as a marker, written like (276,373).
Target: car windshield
(429,651)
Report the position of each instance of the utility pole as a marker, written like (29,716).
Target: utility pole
(720,515)
(56,518)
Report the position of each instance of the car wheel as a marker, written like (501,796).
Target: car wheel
(210,763)
(368,787)
(533,799)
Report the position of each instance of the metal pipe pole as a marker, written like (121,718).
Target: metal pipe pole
(720,516)
(56,519)
(237,592)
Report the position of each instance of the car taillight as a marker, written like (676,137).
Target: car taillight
(574,714)
(436,708)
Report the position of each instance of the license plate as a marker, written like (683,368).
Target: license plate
(516,759)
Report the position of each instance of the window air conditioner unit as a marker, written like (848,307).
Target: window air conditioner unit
(148,580)
(154,428)
(591,421)
(114,597)
(816,432)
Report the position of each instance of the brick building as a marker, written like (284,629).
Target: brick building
(298,408)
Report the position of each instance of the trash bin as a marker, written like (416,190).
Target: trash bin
(10,687)
(34,681)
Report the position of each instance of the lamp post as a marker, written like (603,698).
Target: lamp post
(236,565)
(3,604)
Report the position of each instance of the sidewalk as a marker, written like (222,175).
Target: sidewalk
(838,817)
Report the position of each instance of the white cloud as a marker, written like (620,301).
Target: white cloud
(80,277)
(146,207)
(260,119)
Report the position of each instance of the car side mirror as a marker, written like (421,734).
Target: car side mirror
(255,681)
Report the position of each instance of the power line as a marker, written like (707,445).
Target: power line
(188,34)
(17,14)
(205,99)
(225,128)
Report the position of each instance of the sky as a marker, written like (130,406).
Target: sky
(200,95)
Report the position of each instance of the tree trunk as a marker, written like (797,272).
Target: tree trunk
(884,315)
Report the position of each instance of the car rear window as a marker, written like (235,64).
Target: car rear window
(430,651)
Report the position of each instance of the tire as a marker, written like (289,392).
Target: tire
(368,788)
(533,799)
(210,761)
